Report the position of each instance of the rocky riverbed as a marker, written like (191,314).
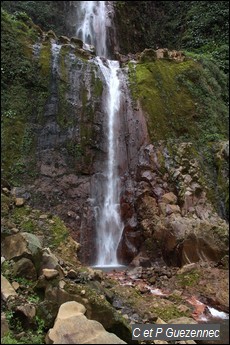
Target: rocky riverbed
(41,272)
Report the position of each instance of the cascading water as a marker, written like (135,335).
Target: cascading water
(55,49)
(109,223)
(91,28)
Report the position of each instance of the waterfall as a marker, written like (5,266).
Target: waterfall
(91,28)
(55,50)
(109,225)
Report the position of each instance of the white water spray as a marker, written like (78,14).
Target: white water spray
(218,314)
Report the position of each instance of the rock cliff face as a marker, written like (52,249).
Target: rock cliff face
(174,216)
(172,197)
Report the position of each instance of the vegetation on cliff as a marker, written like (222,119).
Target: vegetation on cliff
(198,26)
(30,92)
(184,100)
(23,92)
(49,15)
(187,102)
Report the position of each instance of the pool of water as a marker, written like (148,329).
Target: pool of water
(110,268)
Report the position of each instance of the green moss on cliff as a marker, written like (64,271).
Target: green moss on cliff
(187,101)
(169,106)
(183,100)
(45,60)
(22,96)
(97,84)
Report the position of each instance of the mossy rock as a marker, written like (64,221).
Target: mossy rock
(169,312)
(98,308)
(6,203)
(147,55)
(51,34)
(188,278)
(77,41)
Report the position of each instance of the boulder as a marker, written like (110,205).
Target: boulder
(183,321)
(16,285)
(25,268)
(50,261)
(176,55)
(22,245)
(172,209)
(19,245)
(72,274)
(51,34)
(162,53)
(185,240)
(98,308)
(148,55)
(77,42)
(19,201)
(50,273)
(169,198)
(72,327)
(64,39)
(6,289)
(6,191)
(28,310)
(4,325)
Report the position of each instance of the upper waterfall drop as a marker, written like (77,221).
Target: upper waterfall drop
(91,28)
